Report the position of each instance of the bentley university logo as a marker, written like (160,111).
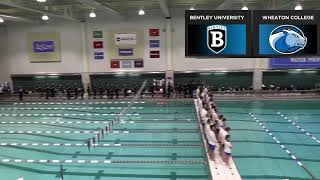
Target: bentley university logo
(216,38)
(287,39)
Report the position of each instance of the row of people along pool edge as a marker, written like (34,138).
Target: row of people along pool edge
(216,131)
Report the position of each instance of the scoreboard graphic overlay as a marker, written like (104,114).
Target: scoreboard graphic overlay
(286,33)
(218,33)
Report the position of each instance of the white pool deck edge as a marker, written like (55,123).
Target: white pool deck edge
(218,168)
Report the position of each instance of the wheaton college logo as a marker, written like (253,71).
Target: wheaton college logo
(216,38)
(287,39)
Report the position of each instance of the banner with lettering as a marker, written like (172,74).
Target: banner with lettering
(291,63)
(126,44)
(43,47)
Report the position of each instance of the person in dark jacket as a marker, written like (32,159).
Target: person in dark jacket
(20,93)
(170,89)
(82,93)
(101,92)
(89,92)
(116,91)
(125,92)
(47,92)
(68,93)
(151,89)
(94,92)
(76,92)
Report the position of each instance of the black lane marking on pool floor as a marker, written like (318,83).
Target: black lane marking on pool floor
(105,175)
(293,157)
(76,154)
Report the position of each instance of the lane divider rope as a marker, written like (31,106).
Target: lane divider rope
(100,161)
(93,122)
(299,127)
(57,122)
(104,102)
(91,114)
(291,155)
(95,132)
(100,145)
(65,108)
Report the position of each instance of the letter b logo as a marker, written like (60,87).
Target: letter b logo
(216,38)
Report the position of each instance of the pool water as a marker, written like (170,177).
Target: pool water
(292,151)
(156,140)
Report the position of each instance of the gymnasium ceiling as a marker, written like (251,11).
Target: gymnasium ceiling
(77,10)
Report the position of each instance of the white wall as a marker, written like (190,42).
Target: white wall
(4,70)
(71,61)
(71,47)
(133,22)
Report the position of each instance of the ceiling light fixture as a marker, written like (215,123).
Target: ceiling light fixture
(1,20)
(41,1)
(92,14)
(141,12)
(298,7)
(192,8)
(45,17)
(244,8)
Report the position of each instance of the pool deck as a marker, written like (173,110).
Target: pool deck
(218,168)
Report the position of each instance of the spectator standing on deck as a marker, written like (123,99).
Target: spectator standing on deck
(170,89)
(101,92)
(94,92)
(52,91)
(108,91)
(186,90)
(40,91)
(111,92)
(47,92)
(20,92)
(164,90)
(89,91)
(135,89)
(125,92)
(151,89)
(76,93)
(116,91)
(68,93)
(60,91)
(82,93)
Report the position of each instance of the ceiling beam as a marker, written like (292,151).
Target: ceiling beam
(96,5)
(164,8)
(194,3)
(37,11)
(285,6)
(18,19)
(224,5)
